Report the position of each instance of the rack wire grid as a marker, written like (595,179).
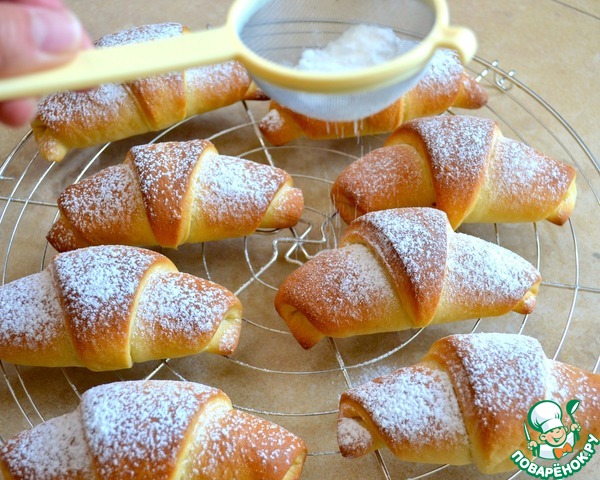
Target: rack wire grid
(269,374)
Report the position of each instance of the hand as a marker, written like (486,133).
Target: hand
(575,426)
(34,35)
(532,445)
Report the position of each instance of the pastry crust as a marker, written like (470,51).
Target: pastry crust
(399,269)
(114,111)
(465,402)
(156,429)
(443,85)
(107,307)
(462,165)
(173,193)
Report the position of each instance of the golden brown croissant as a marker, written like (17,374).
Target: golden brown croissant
(443,85)
(158,429)
(115,111)
(172,193)
(399,269)
(466,402)
(462,165)
(107,307)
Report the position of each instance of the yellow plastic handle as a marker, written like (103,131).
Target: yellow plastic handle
(461,39)
(128,62)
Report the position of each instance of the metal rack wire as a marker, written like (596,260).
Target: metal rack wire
(269,371)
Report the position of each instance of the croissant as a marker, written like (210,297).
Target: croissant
(114,111)
(399,269)
(159,429)
(466,402)
(462,165)
(107,307)
(172,193)
(444,84)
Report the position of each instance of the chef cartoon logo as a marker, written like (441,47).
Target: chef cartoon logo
(554,442)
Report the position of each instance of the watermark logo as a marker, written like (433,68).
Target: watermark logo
(554,441)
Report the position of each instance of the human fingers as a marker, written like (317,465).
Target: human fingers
(17,113)
(34,38)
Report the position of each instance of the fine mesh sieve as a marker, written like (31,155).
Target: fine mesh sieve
(269,37)
(283,30)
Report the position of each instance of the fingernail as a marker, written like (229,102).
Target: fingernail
(55,31)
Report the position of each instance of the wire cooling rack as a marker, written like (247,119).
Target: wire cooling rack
(269,374)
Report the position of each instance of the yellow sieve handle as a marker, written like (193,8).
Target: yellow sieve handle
(128,62)
(461,39)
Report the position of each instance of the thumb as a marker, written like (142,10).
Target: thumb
(34,38)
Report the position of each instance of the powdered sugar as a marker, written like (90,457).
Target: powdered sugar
(411,243)
(31,316)
(181,309)
(234,193)
(412,406)
(142,429)
(417,239)
(272,121)
(163,171)
(358,47)
(104,200)
(526,179)
(237,442)
(441,78)
(73,107)
(458,147)
(54,449)
(143,33)
(482,273)
(342,290)
(100,283)
(140,425)
(506,374)
(218,78)
(353,436)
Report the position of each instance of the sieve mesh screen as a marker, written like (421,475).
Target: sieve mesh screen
(281,29)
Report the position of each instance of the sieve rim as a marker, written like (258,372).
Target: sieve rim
(403,67)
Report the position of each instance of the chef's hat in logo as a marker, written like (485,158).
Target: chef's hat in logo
(545,416)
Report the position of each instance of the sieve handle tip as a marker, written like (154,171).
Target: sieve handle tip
(461,39)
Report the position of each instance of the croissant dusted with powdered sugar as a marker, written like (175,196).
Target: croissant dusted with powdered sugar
(444,84)
(158,429)
(466,402)
(115,111)
(107,307)
(399,269)
(462,165)
(173,193)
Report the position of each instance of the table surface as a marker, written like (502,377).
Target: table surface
(553,47)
